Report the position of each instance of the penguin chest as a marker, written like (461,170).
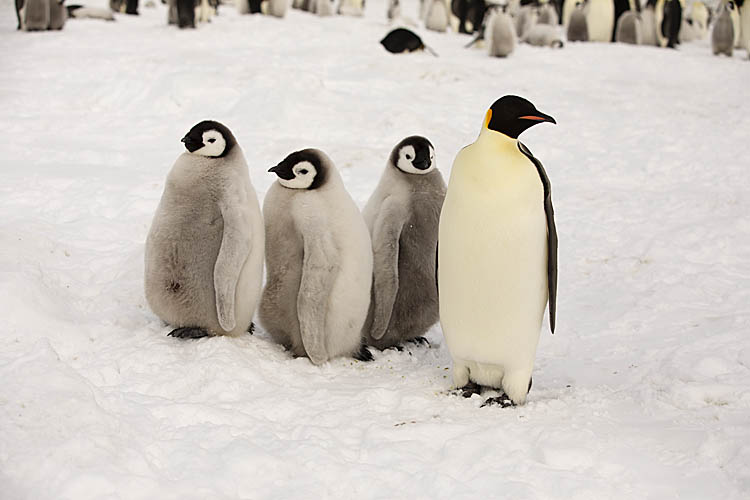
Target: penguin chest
(493,260)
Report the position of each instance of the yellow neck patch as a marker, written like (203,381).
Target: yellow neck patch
(487,118)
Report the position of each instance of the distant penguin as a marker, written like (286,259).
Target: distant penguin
(275,8)
(699,15)
(57,14)
(469,14)
(671,22)
(402,216)
(734,13)
(743,6)
(355,8)
(502,35)
(436,15)
(394,10)
(629,28)
(722,36)
(403,40)
(649,25)
(204,251)
(318,261)
(298,4)
(83,12)
(687,31)
(203,11)
(497,256)
(525,20)
(36,15)
(578,30)
(620,7)
(323,8)
(547,14)
(567,10)
(600,20)
(544,35)
(243,6)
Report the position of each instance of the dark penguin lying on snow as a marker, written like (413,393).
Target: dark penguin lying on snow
(404,40)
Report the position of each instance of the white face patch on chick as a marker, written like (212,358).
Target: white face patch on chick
(304,175)
(213,144)
(413,162)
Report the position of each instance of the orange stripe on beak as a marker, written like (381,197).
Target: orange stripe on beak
(532,117)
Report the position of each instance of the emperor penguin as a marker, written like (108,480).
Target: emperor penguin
(57,14)
(497,255)
(35,15)
(722,36)
(394,10)
(275,8)
(402,216)
(437,15)
(526,19)
(547,14)
(355,8)
(629,28)
(401,40)
(578,30)
(323,8)
(318,261)
(544,35)
(743,6)
(502,35)
(671,22)
(600,20)
(649,34)
(204,251)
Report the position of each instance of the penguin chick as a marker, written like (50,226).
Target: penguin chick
(629,28)
(204,251)
(543,35)
(502,35)
(578,30)
(402,216)
(497,254)
(318,261)
(722,36)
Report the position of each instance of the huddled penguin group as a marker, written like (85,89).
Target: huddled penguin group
(339,280)
(40,15)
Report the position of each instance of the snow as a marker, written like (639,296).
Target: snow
(643,392)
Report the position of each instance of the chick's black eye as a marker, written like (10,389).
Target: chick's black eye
(303,171)
(408,156)
(212,140)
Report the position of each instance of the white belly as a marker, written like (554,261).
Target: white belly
(492,267)
(600,19)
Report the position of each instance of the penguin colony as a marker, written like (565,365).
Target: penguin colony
(541,23)
(339,280)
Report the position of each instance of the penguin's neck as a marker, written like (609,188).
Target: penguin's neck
(498,141)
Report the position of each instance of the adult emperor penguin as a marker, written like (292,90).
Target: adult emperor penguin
(402,216)
(600,20)
(204,252)
(318,261)
(497,255)
(743,6)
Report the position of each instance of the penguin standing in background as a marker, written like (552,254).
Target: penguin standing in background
(502,34)
(544,35)
(648,24)
(57,14)
(436,15)
(402,40)
(34,15)
(318,261)
(621,6)
(578,30)
(323,8)
(629,28)
(671,22)
(204,251)
(743,6)
(600,20)
(547,14)
(394,10)
(497,256)
(402,215)
(722,36)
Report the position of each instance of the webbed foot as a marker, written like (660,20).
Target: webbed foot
(503,400)
(363,354)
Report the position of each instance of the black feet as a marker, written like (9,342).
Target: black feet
(503,400)
(251,328)
(189,332)
(470,389)
(363,354)
(419,341)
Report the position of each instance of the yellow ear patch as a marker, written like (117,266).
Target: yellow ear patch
(487,118)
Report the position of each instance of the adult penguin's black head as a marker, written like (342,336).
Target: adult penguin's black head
(209,138)
(511,115)
(306,169)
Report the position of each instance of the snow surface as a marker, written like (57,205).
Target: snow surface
(643,392)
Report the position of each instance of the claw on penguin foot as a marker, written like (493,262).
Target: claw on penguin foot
(189,332)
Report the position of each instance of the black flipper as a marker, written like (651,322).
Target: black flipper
(363,354)
(189,332)
(551,235)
